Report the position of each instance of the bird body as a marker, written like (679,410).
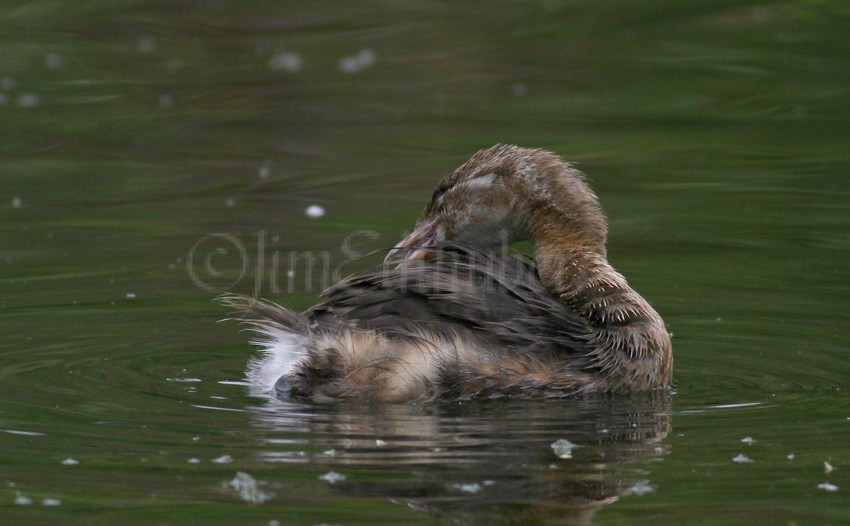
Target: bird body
(458,317)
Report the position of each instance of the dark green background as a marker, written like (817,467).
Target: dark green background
(715,134)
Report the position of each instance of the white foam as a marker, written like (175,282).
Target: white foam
(281,352)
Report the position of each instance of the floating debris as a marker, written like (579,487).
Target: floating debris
(248,488)
(827,486)
(330,453)
(184,380)
(224,459)
(380,443)
(790,456)
(741,459)
(131,295)
(286,61)
(53,61)
(193,460)
(640,489)
(70,462)
(563,448)
(827,467)
(146,44)
(16,202)
(748,440)
(230,202)
(314,211)
(471,488)
(24,433)
(356,63)
(28,100)
(265,169)
(519,88)
(21,499)
(332,476)
(51,502)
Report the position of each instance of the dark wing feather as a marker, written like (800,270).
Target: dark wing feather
(494,295)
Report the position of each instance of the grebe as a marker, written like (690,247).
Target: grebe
(459,318)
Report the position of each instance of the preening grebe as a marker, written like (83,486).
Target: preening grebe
(459,318)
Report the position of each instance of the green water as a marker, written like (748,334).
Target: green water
(155,154)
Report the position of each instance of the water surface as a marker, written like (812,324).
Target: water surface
(154,155)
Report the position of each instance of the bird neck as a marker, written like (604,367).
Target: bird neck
(625,331)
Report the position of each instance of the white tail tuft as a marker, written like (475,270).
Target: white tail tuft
(281,351)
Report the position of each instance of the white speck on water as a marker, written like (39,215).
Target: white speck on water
(354,64)
(741,458)
(472,488)
(28,100)
(165,100)
(489,482)
(332,476)
(641,488)
(827,467)
(53,61)
(230,202)
(563,448)
(50,502)
(314,211)
(790,456)
(193,460)
(290,273)
(380,443)
(519,88)
(827,486)
(265,169)
(438,449)
(70,462)
(248,488)
(195,439)
(146,44)
(366,57)
(286,61)
(330,453)
(183,380)
(21,499)
(224,459)
(7,83)
(349,65)
(748,440)
(131,295)
(24,433)
(16,202)
(274,523)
